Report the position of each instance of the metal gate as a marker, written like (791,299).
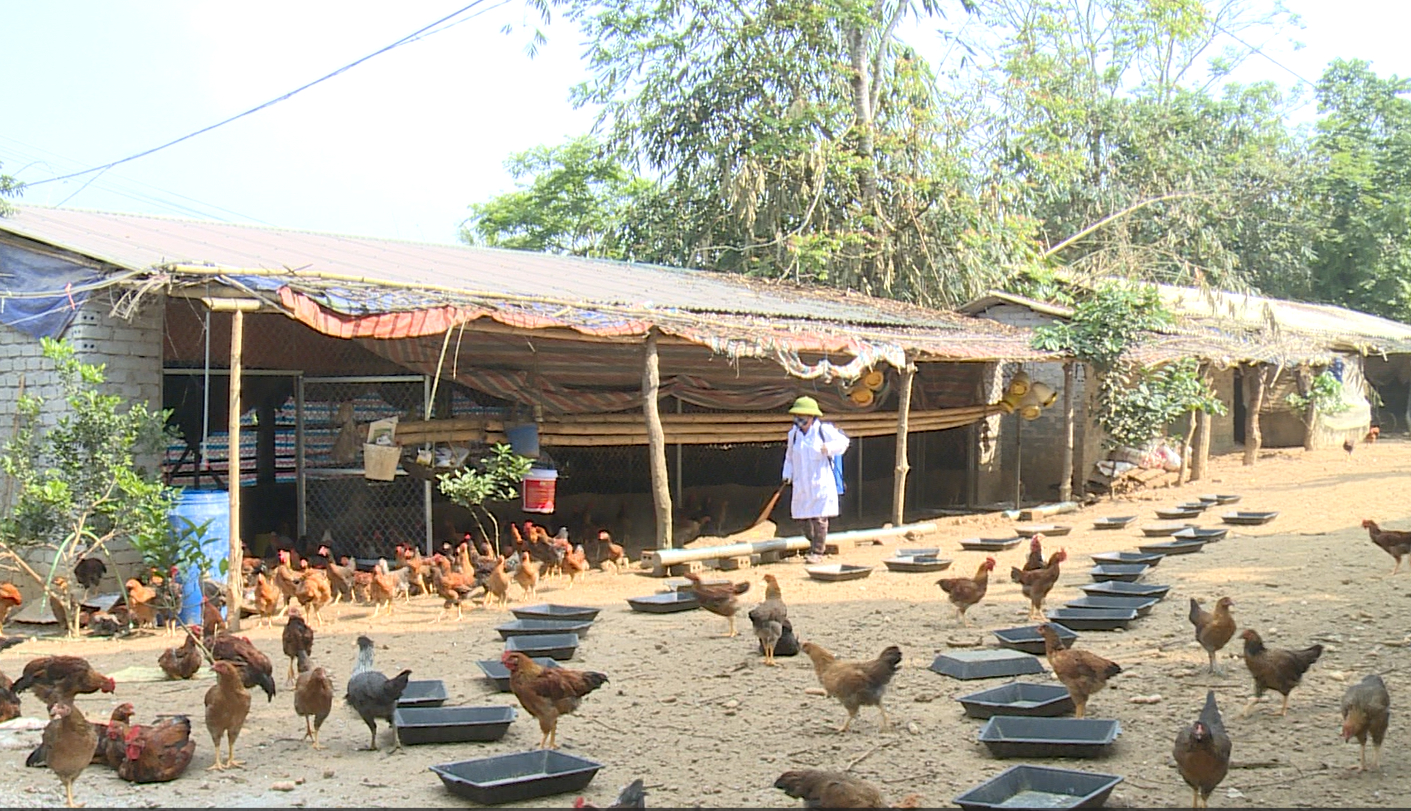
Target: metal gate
(365,519)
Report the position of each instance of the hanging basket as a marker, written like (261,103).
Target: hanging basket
(380,462)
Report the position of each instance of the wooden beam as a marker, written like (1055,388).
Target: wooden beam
(908,374)
(656,441)
(237,587)
(1065,484)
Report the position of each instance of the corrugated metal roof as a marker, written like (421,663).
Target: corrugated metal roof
(1254,312)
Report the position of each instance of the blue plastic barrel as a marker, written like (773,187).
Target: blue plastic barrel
(194,508)
(524,439)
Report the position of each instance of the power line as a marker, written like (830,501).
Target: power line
(1227,32)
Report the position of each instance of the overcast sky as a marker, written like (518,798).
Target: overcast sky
(395,147)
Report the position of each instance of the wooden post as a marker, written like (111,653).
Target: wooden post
(1310,413)
(1254,389)
(1065,484)
(232,478)
(1018,460)
(656,442)
(908,374)
(1202,446)
(1183,474)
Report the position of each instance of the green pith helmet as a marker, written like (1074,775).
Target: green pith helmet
(806,406)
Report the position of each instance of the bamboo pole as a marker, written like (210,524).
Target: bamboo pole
(908,374)
(1065,484)
(237,361)
(656,441)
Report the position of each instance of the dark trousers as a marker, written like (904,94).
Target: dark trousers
(816,531)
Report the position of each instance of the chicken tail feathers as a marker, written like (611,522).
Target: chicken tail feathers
(634,795)
(1307,657)
(1195,612)
(265,682)
(1111,670)
(1015,575)
(10,641)
(796,782)
(1210,716)
(885,666)
(398,684)
(742,587)
(39,757)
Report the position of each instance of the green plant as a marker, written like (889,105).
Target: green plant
(177,552)
(1136,405)
(495,477)
(1105,324)
(1324,396)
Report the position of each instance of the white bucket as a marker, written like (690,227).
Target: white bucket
(539,488)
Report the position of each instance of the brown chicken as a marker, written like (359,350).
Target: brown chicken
(1036,554)
(383,588)
(57,679)
(314,592)
(1396,543)
(1082,672)
(527,576)
(855,684)
(721,599)
(768,618)
(547,693)
(964,592)
(819,788)
(182,662)
(69,741)
(1213,630)
(267,599)
(1275,668)
(158,753)
(286,579)
(1202,753)
(611,553)
(452,587)
(1366,709)
(1037,583)
(141,603)
(341,577)
(313,697)
(9,600)
(227,705)
(497,583)
(254,667)
(211,620)
(297,636)
(111,751)
(9,702)
(575,565)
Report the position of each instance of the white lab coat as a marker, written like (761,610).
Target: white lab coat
(808,464)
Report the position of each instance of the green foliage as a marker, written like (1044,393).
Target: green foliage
(495,477)
(9,187)
(1135,404)
(1324,396)
(1105,323)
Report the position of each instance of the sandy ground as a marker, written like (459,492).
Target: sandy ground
(704,723)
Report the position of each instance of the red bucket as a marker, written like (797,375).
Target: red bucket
(539,487)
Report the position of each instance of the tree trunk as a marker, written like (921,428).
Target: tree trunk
(908,373)
(1310,413)
(862,111)
(1065,484)
(1202,447)
(656,442)
(1181,475)
(1254,400)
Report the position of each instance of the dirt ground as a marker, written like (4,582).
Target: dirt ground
(705,723)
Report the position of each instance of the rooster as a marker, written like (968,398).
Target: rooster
(964,592)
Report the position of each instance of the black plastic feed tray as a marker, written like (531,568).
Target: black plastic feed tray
(668,602)
(1027,639)
(918,563)
(560,647)
(1126,572)
(1220,498)
(836,572)
(1248,519)
(1163,528)
(919,552)
(1142,558)
(543,628)
(1053,530)
(551,611)
(1013,736)
(417,725)
(1120,589)
(1019,698)
(1141,605)
(1198,506)
(1196,534)
(1174,547)
(685,585)
(1093,619)
(1030,786)
(424,693)
(986,664)
(496,672)
(1174,513)
(517,777)
(989,544)
(1114,522)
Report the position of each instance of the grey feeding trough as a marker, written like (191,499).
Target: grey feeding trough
(1198,506)
(1220,498)
(1019,698)
(542,628)
(1247,518)
(1141,605)
(550,646)
(424,693)
(517,777)
(918,563)
(1163,528)
(1142,558)
(1120,589)
(417,725)
(923,552)
(1197,534)
(1027,640)
(496,672)
(668,602)
(1054,530)
(1175,512)
(551,611)
(1013,736)
(835,572)
(1030,786)
(1093,619)
(989,544)
(1113,522)
(685,585)
(1128,572)
(1174,547)
(985,664)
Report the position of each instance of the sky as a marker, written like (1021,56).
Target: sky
(395,147)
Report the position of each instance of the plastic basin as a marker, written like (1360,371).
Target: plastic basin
(835,572)
(1093,619)
(1121,589)
(1128,572)
(1141,605)
(986,664)
(424,693)
(550,646)
(1009,736)
(1027,639)
(496,672)
(1030,786)
(668,602)
(543,628)
(1142,558)
(1019,698)
(517,777)
(551,611)
(917,564)
(418,725)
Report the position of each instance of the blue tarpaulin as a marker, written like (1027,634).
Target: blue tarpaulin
(37,291)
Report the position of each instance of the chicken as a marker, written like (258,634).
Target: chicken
(819,788)
(372,694)
(547,693)
(1202,753)
(1396,543)
(721,599)
(1366,708)
(286,579)
(452,587)
(1037,583)
(526,574)
(497,583)
(788,644)
(1372,434)
(267,599)
(383,588)
(227,705)
(1348,445)
(341,578)
(158,753)
(855,684)
(297,636)
(9,600)
(57,679)
(574,564)
(313,697)
(1082,672)
(1275,668)
(1213,630)
(253,665)
(89,574)
(111,751)
(611,552)
(964,592)
(633,795)
(69,742)
(768,618)
(9,702)
(141,603)
(314,592)
(182,662)
(211,620)
(1036,554)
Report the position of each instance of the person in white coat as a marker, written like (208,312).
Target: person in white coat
(808,464)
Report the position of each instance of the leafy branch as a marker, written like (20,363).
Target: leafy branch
(495,477)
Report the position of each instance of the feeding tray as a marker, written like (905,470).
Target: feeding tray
(1029,530)
(985,664)
(417,725)
(989,544)
(668,602)
(685,585)
(835,572)
(550,646)
(1162,529)
(918,564)
(1027,639)
(1120,589)
(926,552)
(517,777)
(1113,522)
(1030,786)
(1127,572)
(542,628)
(1248,519)
(1220,498)
(550,611)
(1198,506)
(1141,605)
(1197,534)
(1019,698)
(1126,557)
(1013,736)
(1181,547)
(424,693)
(1093,619)
(496,672)
(1172,513)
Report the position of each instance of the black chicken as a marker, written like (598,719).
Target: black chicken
(371,693)
(89,573)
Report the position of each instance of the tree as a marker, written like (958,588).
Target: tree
(494,478)
(9,187)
